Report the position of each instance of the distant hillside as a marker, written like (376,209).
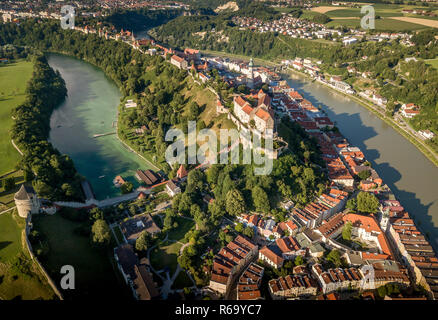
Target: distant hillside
(231,6)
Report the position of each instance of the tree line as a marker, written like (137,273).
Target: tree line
(55,174)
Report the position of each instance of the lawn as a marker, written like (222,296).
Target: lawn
(182,281)
(432,62)
(184,225)
(95,276)
(17,283)
(7,197)
(10,237)
(13,80)
(166,256)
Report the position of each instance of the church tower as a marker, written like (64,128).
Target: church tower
(250,78)
(27,201)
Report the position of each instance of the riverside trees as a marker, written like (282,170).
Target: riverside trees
(56,177)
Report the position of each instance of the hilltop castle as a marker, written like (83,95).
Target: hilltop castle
(27,201)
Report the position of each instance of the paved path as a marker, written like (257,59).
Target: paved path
(7,210)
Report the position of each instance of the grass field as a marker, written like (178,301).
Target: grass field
(7,197)
(13,80)
(355,12)
(10,237)
(432,62)
(384,24)
(184,225)
(95,277)
(15,283)
(393,19)
(166,256)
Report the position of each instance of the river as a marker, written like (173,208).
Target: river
(410,175)
(91,108)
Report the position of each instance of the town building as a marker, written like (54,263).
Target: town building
(133,227)
(179,62)
(229,263)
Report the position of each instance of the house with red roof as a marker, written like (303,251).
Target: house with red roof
(410,110)
(179,62)
(270,257)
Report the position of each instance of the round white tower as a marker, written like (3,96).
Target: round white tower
(27,201)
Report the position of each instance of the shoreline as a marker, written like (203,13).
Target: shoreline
(430,155)
(128,146)
(148,162)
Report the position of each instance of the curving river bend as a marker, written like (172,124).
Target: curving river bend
(91,108)
(411,176)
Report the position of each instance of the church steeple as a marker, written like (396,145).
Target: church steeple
(251,68)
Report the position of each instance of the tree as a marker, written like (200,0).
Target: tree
(249,232)
(127,187)
(28,175)
(235,204)
(299,261)
(351,204)
(364,174)
(346,231)
(260,199)
(100,233)
(239,227)
(96,214)
(334,257)
(9,184)
(143,241)
(367,202)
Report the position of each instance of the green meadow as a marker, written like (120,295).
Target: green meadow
(13,80)
(383,24)
(20,278)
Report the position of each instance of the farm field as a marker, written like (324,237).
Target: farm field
(355,12)
(392,17)
(384,24)
(425,22)
(13,81)
(20,278)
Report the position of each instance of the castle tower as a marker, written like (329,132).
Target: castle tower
(26,201)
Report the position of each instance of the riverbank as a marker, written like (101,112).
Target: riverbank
(129,147)
(124,143)
(429,154)
(91,108)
